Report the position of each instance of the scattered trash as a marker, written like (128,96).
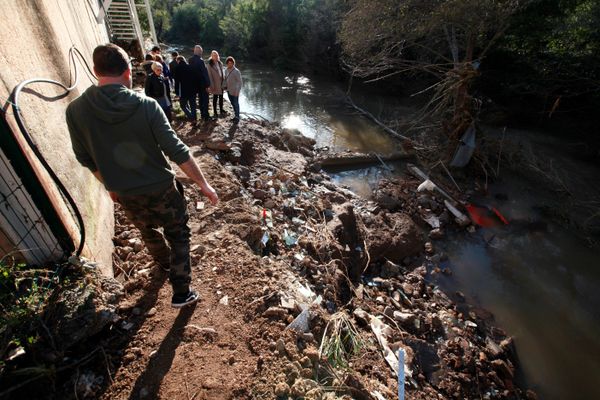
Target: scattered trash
(289,238)
(300,323)
(382,332)
(433,221)
(224,300)
(426,185)
(15,353)
(465,149)
(265,238)
(200,205)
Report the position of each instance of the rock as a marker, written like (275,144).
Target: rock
(282,390)
(151,312)
(312,353)
(302,386)
(314,394)
(389,269)
(393,237)
(504,369)
(492,348)
(275,313)
(436,234)
(82,310)
(389,311)
(306,373)
(361,315)
(404,317)
(280,346)
(306,362)
(308,337)
(260,194)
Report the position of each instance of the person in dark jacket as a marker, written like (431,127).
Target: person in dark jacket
(123,138)
(172,67)
(186,79)
(157,87)
(147,64)
(202,80)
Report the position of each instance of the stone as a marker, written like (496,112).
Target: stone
(389,269)
(306,373)
(308,337)
(151,312)
(389,311)
(312,353)
(492,348)
(503,368)
(305,362)
(280,346)
(404,317)
(361,315)
(302,386)
(282,390)
(260,194)
(275,313)
(436,234)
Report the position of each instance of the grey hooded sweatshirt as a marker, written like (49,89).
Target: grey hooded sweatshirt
(125,136)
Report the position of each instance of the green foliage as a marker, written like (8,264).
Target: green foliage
(185,24)
(341,341)
(23,293)
(549,59)
(285,33)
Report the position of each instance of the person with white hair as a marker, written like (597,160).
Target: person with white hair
(157,87)
(203,81)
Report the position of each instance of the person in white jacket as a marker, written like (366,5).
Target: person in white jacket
(232,82)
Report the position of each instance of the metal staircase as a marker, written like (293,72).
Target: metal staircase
(122,21)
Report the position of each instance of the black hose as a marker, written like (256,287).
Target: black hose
(17,114)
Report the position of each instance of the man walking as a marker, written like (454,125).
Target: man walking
(122,138)
(203,81)
(187,88)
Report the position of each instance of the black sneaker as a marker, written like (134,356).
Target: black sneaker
(181,300)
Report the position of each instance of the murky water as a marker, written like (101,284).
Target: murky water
(542,286)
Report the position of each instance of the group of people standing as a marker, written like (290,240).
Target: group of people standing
(193,80)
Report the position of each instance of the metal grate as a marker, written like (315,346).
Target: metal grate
(24,235)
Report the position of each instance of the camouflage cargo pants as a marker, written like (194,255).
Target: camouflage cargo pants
(166,210)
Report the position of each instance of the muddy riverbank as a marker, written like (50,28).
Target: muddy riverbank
(308,291)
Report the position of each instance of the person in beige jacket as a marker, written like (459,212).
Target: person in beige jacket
(215,73)
(232,82)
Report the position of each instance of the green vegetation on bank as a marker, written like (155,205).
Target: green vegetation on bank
(294,34)
(536,57)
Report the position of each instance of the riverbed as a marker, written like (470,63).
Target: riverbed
(540,284)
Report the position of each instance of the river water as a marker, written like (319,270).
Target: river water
(541,285)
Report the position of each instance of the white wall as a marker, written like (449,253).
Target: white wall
(35,37)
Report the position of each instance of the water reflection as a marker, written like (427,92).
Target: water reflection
(543,289)
(313,106)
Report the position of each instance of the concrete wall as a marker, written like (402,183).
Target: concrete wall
(35,38)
